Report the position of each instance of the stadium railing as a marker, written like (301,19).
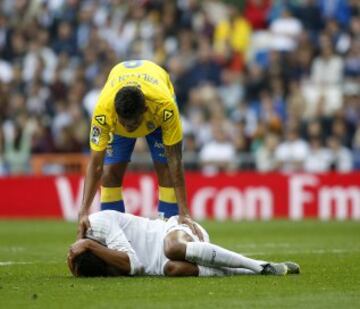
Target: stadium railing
(59,163)
(51,163)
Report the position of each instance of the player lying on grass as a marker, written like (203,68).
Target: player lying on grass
(122,244)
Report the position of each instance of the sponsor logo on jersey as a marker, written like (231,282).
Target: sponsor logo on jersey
(95,135)
(101,119)
(167,114)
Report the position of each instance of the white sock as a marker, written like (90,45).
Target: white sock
(223,271)
(210,272)
(206,254)
(237,271)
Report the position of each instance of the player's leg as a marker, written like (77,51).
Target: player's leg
(187,269)
(167,201)
(179,246)
(118,154)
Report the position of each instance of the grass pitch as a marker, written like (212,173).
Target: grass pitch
(33,272)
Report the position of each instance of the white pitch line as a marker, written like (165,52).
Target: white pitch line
(12,249)
(10,263)
(7,263)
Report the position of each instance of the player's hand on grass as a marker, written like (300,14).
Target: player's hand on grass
(186,219)
(83,225)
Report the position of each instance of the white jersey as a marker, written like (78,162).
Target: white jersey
(141,238)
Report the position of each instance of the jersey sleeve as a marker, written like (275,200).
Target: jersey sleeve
(171,125)
(100,125)
(171,121)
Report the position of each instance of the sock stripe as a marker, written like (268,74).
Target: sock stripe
(118,206)
(167,195)
(111,194)
(168,209)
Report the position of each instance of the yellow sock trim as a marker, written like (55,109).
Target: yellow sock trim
(110,194)
(167,195)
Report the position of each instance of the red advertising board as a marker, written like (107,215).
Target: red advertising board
(240,196)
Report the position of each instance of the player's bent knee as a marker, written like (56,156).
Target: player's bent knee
(175,250)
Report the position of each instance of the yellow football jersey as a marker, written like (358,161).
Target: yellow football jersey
(160,100)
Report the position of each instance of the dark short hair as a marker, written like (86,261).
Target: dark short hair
(129,102)
(87,264)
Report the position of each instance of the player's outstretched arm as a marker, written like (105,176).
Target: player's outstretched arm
(174,157)
(92,178)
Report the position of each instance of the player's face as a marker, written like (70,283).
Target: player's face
(131,124)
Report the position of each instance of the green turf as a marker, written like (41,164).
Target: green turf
(329,254)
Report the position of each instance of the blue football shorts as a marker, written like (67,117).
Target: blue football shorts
(120,148)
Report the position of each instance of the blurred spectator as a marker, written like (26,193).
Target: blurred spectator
(326,78)
(341,157)
(219,154)
(337,9)
(352,61)
(255,83)
(265,155)
(17,149)
(310,15)
(296,101)
(246,115)
(356,147)
(327,68)
(256,12)
(285,31)
(231,91)
(191,151)
(2,161)
(342,131)
(339,38)
(318,159)
(291,153)
(205,69)
(65,41)
(233,32)
(42,141)
(92,96)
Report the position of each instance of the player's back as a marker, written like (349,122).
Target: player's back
(152,79)
(144,235)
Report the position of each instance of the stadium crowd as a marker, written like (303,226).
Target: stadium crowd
(266,85)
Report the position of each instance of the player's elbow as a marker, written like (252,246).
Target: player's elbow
(172,269)
(180,269)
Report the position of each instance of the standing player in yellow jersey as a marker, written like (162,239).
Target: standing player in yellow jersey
(137,100)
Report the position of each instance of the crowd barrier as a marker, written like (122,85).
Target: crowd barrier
(239,196)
